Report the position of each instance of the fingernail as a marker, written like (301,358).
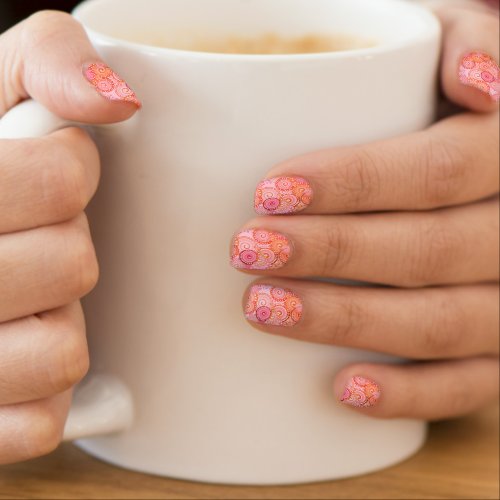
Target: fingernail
(480,70)
(273,306)
(282,195)
(109,84)
(259,249)
(360,392)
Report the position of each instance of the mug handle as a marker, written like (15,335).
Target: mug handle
(102,404)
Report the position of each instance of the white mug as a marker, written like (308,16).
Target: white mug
(180,384)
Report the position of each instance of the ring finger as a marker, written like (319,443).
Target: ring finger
(32,429)
(42,355)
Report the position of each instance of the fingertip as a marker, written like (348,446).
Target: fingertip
(464,82)
(88,107)
(470,72)
(355,386)
(468,97)
(477,74)
(112,112)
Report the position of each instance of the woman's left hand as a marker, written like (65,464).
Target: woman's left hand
(419,213)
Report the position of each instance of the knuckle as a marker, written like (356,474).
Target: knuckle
(70,358)
(44,432)
(349,323)
(41,22)
(443,332)
(458,400)
(64,184)
(81,270)
(338,242)
(39,29)
(444,171)
(355,178)
(435,246)
(44,17)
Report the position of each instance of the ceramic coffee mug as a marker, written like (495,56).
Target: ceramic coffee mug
(180,383)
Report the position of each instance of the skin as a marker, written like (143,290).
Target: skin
(446,201)
(47,260)
(419,214)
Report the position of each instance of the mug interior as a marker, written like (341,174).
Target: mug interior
(382,22)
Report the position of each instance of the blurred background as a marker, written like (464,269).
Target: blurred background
(13,11)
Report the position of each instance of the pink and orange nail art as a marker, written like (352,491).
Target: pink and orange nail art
(273,306)
(479,70)
(282,195)
(109,84)
(259,249)
(360,392)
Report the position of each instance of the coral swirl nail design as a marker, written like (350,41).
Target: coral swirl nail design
(109,84)
(282,195)
(259,249)
(273,306)
(479,70)
(361,392)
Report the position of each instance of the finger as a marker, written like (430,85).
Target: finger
(454,161)
(42,355)
(45,268)
(447,246)
(470,57)
(49,57)
(29,430)
(430,323)
(429,391)
(48,180)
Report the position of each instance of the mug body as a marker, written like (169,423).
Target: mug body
(215,400)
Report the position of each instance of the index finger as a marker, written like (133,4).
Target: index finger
(46,180)
(453,162)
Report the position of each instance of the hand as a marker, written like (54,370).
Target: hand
(418,213)
(47,260)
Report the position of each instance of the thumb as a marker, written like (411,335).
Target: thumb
(49,58)
(470,73)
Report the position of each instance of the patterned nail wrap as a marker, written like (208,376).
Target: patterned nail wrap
(361,392)
(282,195)
(109,84)
(273,306)
(259,249)
(479,70)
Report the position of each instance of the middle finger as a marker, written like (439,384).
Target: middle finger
(447,246)
(45,268)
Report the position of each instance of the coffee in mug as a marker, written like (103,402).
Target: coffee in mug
(267,43)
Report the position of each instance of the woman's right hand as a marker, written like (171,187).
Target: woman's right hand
(47,260)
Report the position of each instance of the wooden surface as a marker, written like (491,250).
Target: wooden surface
(460,460)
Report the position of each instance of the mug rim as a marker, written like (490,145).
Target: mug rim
(433,30)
